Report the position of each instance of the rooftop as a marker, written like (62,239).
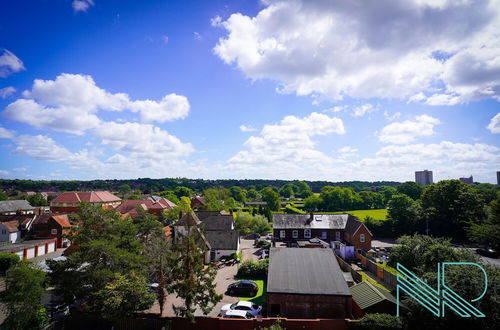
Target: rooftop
(86,196)
(366,294)
(15,205)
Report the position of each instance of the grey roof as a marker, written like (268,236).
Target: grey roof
(353,224)
(188,219)
(223,239)
(366,294)
(202,215)
(13,206)
(218,222)
(23,245)
(305,271)
(318,221)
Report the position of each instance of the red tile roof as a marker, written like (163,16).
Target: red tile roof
(89,196)
(12,226)
(128,206)
(61,219)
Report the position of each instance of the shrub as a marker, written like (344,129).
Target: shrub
(377,322)
(260,244)
(253,269)
(7,260)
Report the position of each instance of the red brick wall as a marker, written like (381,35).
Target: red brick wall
(64,209)
(368,239)
(310,306)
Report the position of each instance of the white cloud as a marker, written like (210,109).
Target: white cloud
(408,130)
(362,110)
(9,63)
(216,21)
(4,173)
(347,152)
(6,133)
(247,128)
(7,91)
(70,104)
(494,125)
(287,145)
(412,50)
(393,116)
(82,5)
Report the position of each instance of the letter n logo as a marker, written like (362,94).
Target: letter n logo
(435,300)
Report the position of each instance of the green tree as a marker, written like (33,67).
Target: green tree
(124,189)
(173,215)
(247,223)
(272,198)
(7,260)
(450,206)
(25,287)
(377,321)
(252,194)
(388,191)
(487,232)
(411,189)
(183,191)
(287,190)
(218,199)
(239,195)
(404,214)
(170,195)
(303,189)
(194,282)
(3,196)
(36,200)
(313,203)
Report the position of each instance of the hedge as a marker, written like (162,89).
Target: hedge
(253,269)
(7,260)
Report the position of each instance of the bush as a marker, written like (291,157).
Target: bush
(247,223)
(260,244)
(253,269)
(7,260)
(377,322)
(293,210)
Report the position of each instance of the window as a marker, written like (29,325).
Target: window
(307,233)
(337,235)
(295,234)
(4,231)
(323,235)
(282,234)
(362,238)
(53,231)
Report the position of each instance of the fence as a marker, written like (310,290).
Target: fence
(388,278)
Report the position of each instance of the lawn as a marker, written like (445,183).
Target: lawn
(260,298)
(380,214)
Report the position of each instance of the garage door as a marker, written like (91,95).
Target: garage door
(20,254)
(41,250)
(52,247)
(31,253)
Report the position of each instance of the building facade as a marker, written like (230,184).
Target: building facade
(424,177)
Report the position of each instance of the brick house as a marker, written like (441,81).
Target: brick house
(68,202)
(52,226)
(154,205)
(292,228)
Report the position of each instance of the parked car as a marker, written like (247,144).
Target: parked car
(488,252)
(237,314)
(269,236)
(247,288)
(246,306)
(252,236)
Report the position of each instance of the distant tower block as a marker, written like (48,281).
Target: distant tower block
(423,177)
(467,180)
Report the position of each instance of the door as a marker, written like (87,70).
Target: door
(41,250)
(52,247)
(30,253)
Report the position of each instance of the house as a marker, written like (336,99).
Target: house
(292,228)
(24,221)
(218,229)
(31,249)
(189,225)
(52,226)
(47,194)
(154,205)
(197,201)
(372,299)
(68,202)
(16,207)
(10,231)
(306,284)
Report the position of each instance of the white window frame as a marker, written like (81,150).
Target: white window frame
(295,234)
(282,234)
(323,235)
(362,238)
(53,231)
(307,233)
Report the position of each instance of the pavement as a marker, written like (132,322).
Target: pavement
(225,276)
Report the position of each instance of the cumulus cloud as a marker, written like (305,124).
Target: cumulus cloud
(70,104)
(6,133)
(347,152)
(82,5)
(393,116)
(412,50)
(494,125)
(287,144)
(9,63)
(408,130)
(7,91)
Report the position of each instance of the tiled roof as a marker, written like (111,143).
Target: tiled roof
(317,221)
(188,219)
(61,219)
(86,196)
(218,222)
(366,294)
(12,226)
(128,206)
(202,215)
(16,205)
(223,239)
(22,219)
(353,224)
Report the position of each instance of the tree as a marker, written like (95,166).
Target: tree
(272,198)
(239,195)
(303,189)
(36,200)
(3,196)
(450,206)
(313,203)
(218,199)
(387,191)
(194,283)
(411,189)
(247,223)
(287,190)
(183,191)
(170,195)
(124,189)
(252,194)
(173,215)
(25,287)
(404,213)
(7,260)
(377,321)
(487,232)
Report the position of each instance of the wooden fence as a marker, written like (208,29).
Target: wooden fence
(388,278)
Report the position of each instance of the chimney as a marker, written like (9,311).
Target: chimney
(311,218)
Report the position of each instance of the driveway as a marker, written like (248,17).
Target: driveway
(248,250)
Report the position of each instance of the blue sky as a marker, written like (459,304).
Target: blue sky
(245,89)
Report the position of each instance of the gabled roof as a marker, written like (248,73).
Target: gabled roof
(202,215)
(353,224)
(12,226)
(188,219)
(314,221)
(61,219)
(152,203)
(223,239)
(22,219)
(305,271)
(218,222)
(198,200)
(86,196)
(366,294)
(15,205)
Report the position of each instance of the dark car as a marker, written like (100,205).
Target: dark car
(252,236)
(488,252)
(246,288)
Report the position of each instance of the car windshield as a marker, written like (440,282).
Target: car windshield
(233,305)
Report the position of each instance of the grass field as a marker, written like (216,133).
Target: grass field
(380,214)
(260,298)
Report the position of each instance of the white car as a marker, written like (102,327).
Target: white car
(236,314)
(245,306)
(269,236)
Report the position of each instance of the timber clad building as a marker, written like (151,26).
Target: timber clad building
(306,283)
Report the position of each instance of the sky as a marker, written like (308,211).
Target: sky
(307,90)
